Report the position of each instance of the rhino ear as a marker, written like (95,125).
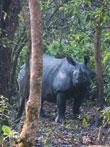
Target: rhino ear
(86,59)
(70,60)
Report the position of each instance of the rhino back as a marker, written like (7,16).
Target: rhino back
(55,77)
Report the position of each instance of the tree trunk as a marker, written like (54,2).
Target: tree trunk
(98,65)
(9,10)
(27,69)
(14,59)
(27,136)
(97,56)
(5,60)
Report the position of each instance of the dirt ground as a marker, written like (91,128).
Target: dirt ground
(71,133)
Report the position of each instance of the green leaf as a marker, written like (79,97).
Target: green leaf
(71,29)
(89,3)
(45,140)
(84,123)
(20,16)
(67,126)
(7,131)
(1,110)
(61,8)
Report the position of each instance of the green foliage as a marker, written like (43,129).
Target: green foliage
(6,134)
(68,29)
(103,116)
(4,114)
(4,109)
(106,116)
(6,131)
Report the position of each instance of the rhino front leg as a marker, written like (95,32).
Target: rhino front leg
(77,103)
(61,106)
(76,106)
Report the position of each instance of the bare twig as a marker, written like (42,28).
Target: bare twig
(100,135)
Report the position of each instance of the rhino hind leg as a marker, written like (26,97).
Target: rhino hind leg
(61,106)
(42,113)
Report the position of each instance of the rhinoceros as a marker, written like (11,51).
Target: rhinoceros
(62,79)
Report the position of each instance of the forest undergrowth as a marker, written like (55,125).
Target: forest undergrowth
(81,132)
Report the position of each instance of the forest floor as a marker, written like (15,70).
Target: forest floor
(71,133)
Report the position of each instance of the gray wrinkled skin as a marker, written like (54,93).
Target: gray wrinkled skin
(62,79)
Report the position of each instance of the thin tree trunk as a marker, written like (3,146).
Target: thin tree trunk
(27,136)
(14,64)
(98,65)
(27,69)
(19,41)
(97,56)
